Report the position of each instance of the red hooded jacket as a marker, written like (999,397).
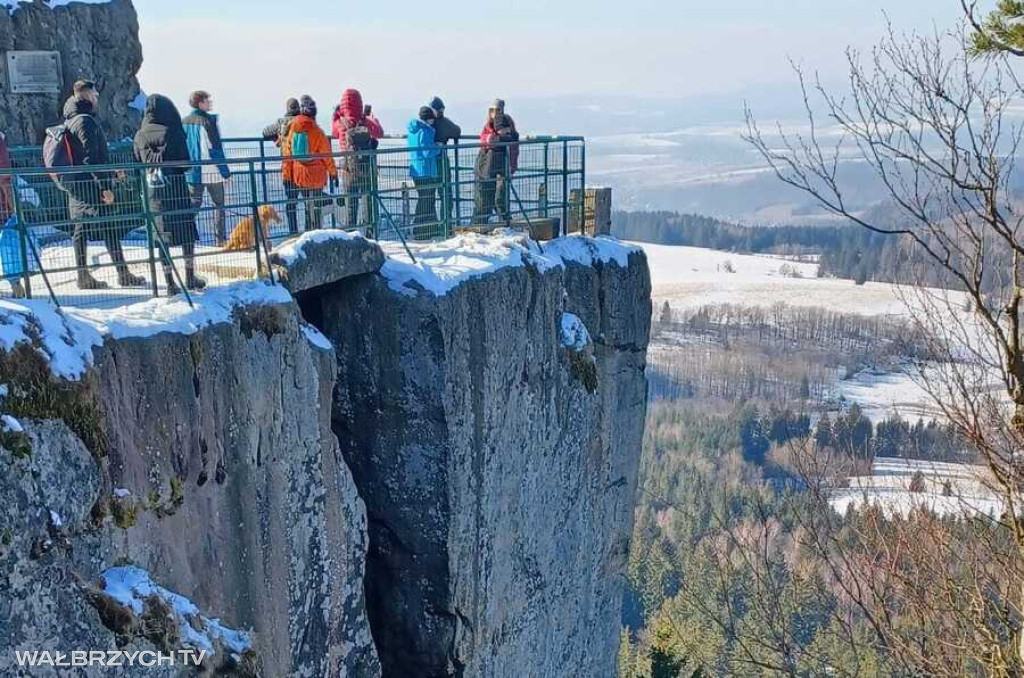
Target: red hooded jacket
(489,137)
(349,113)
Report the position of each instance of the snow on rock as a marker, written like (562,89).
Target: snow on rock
(121,493)
(67,338)
(56,519)
(317,338)
(574,332)
(131,586)
(441,267)
(293,250)
(139,102)
(11,424)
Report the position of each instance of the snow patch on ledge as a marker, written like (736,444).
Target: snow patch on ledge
(132,586)
(294,250)
(574,333)
(441,267)
(67,339)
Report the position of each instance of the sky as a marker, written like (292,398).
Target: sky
(253,54)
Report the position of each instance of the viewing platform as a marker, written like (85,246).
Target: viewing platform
(374,199)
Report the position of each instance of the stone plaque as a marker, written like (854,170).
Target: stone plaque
(34,73)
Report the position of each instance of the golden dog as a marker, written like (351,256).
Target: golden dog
(244,235)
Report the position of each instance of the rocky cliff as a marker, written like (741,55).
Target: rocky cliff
(99,41)
(491,416)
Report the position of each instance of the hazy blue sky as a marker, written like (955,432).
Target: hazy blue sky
(253,53)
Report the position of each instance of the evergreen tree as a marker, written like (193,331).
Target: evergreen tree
(1002,31)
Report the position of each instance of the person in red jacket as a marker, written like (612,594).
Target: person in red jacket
(358,133)
(496,162)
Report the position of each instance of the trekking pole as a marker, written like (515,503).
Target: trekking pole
(42,271)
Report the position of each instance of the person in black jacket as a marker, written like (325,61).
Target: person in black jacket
(90,194)
(444,131)
(161,139)
(278,132)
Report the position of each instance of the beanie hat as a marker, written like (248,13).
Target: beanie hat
(436,104)
(427,113)
(498,104)
(307,106)
(291,107)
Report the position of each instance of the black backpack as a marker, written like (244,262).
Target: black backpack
(359,138)
(57,151)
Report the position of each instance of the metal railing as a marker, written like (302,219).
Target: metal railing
(63,242)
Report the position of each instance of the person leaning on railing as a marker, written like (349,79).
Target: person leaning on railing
(277,132)
(496,161)
(162,139)
(309,175)
(90,193)
(423,153)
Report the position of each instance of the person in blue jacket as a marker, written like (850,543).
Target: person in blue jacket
(204,144)
(423,166)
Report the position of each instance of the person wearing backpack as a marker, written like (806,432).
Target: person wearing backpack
(205,144)
(423,168)
(278,132)
(160,140)
(496,161)
(359,134)
(309,175)
(80,142)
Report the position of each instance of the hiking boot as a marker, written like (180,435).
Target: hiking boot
(87,282)
(172,287)
(194,282)
(126,278)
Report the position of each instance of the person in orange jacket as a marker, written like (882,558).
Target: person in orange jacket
(308,174)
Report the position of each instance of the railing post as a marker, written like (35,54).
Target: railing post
(446,194)
(263,171)
(506,188)
(583,190)
(458,186)
(542,190)
(26,272)
(150,242)
(565,187)
(372,214)
(257,227)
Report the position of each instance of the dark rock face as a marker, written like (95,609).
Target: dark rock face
(237,497)
(99,42)
(499,477)
(326,261)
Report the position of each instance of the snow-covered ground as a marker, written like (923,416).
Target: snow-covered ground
(948,489)
(882,395)
(691,277)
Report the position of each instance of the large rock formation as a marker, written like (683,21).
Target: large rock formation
(499,465)
(492,427)
(95,41)
(214,469)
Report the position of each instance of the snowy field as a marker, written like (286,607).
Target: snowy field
(690,277)
(948,489)
(882,395)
